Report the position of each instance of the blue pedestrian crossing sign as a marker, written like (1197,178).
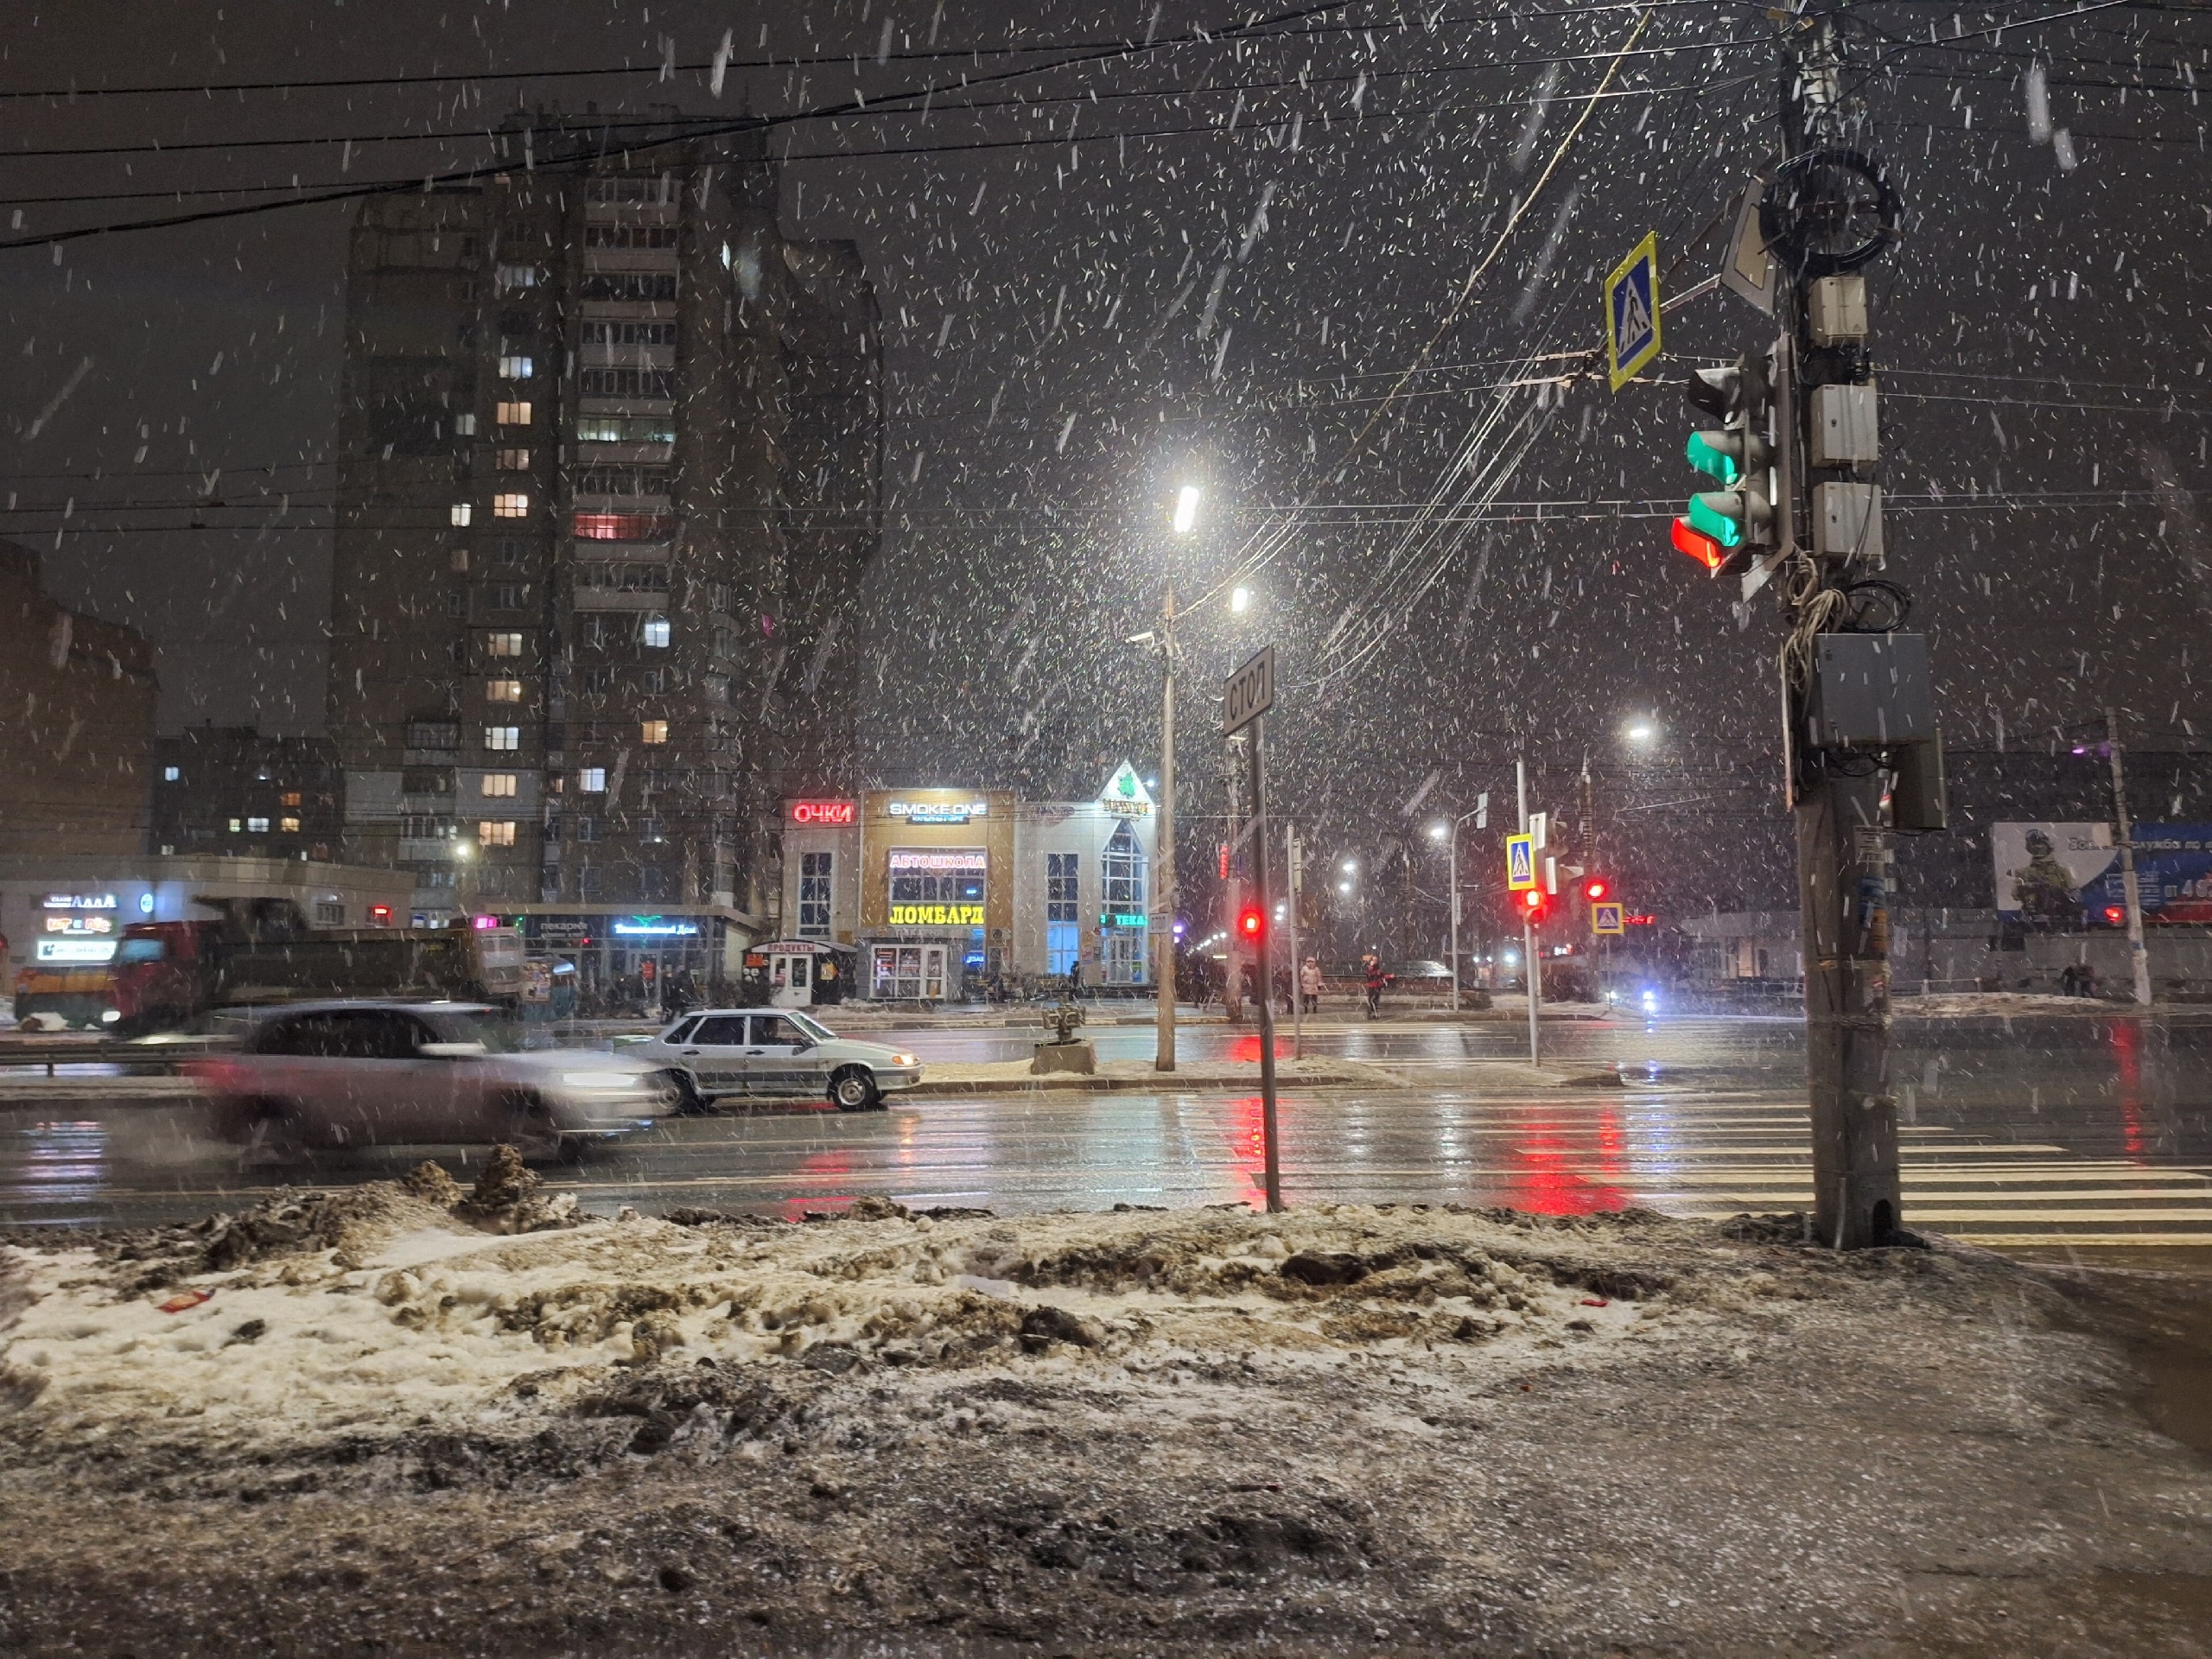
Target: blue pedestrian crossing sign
(1520,863)
(1632,312)
(1607,918)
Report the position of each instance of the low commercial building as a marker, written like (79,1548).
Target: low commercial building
(938,888)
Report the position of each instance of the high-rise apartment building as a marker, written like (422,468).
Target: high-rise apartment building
(612,463)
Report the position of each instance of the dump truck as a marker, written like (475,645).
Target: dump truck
(166,975)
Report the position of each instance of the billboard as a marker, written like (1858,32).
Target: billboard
(2069,873)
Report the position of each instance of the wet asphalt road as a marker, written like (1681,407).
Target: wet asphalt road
(2025,1131)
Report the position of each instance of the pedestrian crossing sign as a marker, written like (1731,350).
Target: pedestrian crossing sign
(1632,312)
(1520,862)
(1606,918)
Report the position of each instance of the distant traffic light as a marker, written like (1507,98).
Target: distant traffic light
(1722,525)
(1536,906)
(1248,923)
(2115,916)
(1596,888)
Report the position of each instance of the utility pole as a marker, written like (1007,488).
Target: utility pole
(2138,959)
(1294,885)
(1164,843)
(1827,212)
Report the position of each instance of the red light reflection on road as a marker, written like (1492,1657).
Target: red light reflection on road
(1248,1145)
(1557,1168)
(2127,1047)
(833,1170)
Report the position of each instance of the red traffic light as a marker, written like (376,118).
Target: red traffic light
(2114,915)
(1698,545)
(1248,923)
(1535,904)
(1596,888)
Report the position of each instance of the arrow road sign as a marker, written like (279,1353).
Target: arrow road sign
(1632,312)
(1520,863)
(1249,692)
(1606,918)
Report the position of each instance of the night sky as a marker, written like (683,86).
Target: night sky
(1213,258)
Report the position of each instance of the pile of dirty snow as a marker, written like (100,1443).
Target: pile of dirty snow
(345,1422)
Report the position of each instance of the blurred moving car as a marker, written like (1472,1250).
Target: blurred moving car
(364,1073)
(767,1051)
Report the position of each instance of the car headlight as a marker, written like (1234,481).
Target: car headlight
(905,1059)
(601,1080)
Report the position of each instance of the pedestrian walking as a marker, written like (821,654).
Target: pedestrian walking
(1374,980)
(1309,984)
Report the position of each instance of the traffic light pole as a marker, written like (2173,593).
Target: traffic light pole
(2131,886)
(1259,746)
(1842,853)
(1532,970)
(1164,844)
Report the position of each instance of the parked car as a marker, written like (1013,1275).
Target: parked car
(362,1073)
(764,1052)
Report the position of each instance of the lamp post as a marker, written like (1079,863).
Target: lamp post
(1186,519)
(1451,837)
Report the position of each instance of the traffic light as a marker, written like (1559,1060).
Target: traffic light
(1247,925)
(1535,906)
(1596,888)
(1723,525)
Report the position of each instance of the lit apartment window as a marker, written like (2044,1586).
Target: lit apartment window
(650,731)
(514,368)
(592,780)
(513,279)
(513,460)
(496,832)
(172,774)
(257,826)
(503,644)
(655,634)
(289,826)
(461,513)
(503,692)
(464,426)
(237,825)
(517,414)
(511,506)
(503,737)
(501,784)
(289,797)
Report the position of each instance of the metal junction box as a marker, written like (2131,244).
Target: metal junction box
(1836,309)
(1848,522)
(1844,433)
(1870,691)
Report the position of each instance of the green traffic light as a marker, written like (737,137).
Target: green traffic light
(1709,459)
(1724,529)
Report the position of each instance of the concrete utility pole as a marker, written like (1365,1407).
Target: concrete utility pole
(1827,212)
(1532,970)
(2138,959)
(1293,883)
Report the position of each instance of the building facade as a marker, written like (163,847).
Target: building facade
(76,739)
(232,792)
(612,458)
(939,889)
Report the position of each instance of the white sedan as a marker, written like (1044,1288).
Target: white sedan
(350,1074)
(723,1052)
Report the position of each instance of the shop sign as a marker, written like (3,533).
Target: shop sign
(78,901)
(1125,797)
(822,811)
(655,927)
(547,927)
(939,811)
(85,951)
(1122,919)
(80,926)
(937,915)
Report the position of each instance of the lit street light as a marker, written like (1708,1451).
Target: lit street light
(1240,600)
(1186,509)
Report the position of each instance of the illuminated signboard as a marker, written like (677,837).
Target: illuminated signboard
(1124,797)
(78,901)
(937,915)
(1122,919)
(655,927)
(822,811)
(82,950)
(80,926)
(940,811)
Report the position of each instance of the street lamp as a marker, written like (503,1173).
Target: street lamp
(1640,731)
(1450,835)
(1240,600)
(1186,519)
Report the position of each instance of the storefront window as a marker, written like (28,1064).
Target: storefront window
(814,892)
(933,887)
(1124,872)
(906,973)
(1063,893)
(1122,893)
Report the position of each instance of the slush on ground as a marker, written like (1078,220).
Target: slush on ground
(407,1419)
